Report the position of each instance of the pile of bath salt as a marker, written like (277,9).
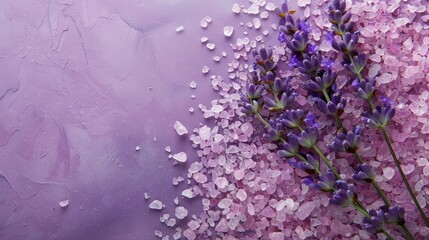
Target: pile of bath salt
(247,192)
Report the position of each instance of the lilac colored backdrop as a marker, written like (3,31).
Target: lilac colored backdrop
(82,84)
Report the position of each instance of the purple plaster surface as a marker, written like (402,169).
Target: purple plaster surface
(82,84)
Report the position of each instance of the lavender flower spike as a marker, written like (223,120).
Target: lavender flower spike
(364,172)
(380,116)
(375,223)
(365,89)
(347,142)
(291,147)
(308,137)
(394,214)
(345,194)
(292,118)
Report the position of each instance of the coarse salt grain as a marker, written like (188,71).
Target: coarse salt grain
(180,212)
(180,157)
(228,30)
(180,29)
(180,128)
(236,8)
(156,205)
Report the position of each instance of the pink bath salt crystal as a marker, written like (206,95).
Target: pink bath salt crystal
(373,71)
(339,228)
(221,182)
(390,60)
(239,174)
(200,178)
(224,203)
(426,170)
(276,236)
(195,167)
(305,210)
(268,212)
(189,234)
(222,226)
(388,173)
(204,133)
(303,3)
(425,128)
(411,71)
(301,100)
(408,168)
(247,129)
(241,195)
(180,129)
(401,21)
(384,78)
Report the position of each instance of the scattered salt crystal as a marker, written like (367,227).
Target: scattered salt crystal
(223,54)
(228,30)
(339,228)
(210,46)
(180,212)
(205,69)
(195,167)
(64,203)
(167,149)
(188,193)
(401,21)
(191,109)
(176,200)
(204,39)
(221,182)
(256,23)
(303,3)
(388,173)
(216,58)
(171,222)
(158,233)
(179,28)
(264,15)
(270,6)
(156,205)
(241,195)
(426,170)
(146,196)
(239,174)
(137,148)
(265,32)
(422,162)
(204,23)
(384,78)
(193,85)
(217,108)
(254,8)
(305,210)
(208,19)
(180,157)
(180,129)
(236,8)
(408,168)
(224,203)
(276,236)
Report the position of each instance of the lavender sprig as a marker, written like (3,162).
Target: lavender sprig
(354,61)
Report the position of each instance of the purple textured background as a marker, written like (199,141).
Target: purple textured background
(75,100)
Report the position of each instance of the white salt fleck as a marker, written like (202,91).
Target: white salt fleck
(204,23)
(156,205)
(180,129)
(205,69)
(208,19)
(264,15)
(210,46)
(388,173)
(223,54)
(137,148)
(191,109)
(176,200)
(146,196)
(158,233)
(216,58)
(180,212)
(305,210)
(188,193)
(204,39)
(256,23)
(270,6)
(204,133)
(179,28)
(426,170)
(236,8)
(193,85)
(167,149)
(228,30)
(64,203)
(180,157)
(276,236)
(265,32)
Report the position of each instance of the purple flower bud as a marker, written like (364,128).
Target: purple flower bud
(326,182)
(304,26)
(365,89)
(320,84)
(364,172)
(308,137)
(375,223)
(310,120)
(358,64)
(251,106)
(291,147)
(345,195)
(298,44)
(274,133)
(394,214)
(254,91)
(292,118)
(347,142)
(380,116)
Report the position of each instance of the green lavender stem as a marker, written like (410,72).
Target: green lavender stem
(404,178)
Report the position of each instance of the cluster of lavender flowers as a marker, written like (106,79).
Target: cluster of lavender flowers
(296,132)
